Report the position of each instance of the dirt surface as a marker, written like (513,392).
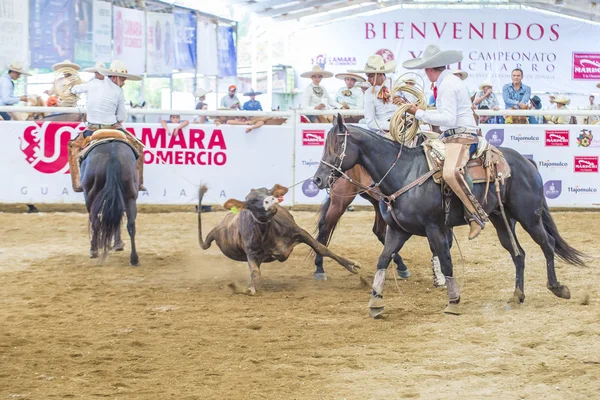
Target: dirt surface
(73,328)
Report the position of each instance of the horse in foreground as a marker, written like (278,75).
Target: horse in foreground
(110,187)
(419,211)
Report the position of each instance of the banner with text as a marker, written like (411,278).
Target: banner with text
(207,48)
(102,36)
(160,43)
(185,40)
(14,32)
(84,33)
(129,38)
(52,24)
(226,52)
(36,154)
(556,54)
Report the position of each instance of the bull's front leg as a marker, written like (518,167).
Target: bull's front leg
(305,237)
(254,267)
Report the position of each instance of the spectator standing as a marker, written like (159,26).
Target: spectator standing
(230,100)
(590,120)
(516,94)
(252,104)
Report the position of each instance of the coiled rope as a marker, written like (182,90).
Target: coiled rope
(64,79)
(404,127)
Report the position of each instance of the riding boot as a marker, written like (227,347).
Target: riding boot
(75,146)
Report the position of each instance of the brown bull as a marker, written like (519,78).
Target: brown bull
(259,231)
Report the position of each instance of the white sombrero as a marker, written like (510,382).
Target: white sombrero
(461,74)
(598,85)
(562,100)
(202,92)
(316,70)
(365,85)
(376,65)
(66,64)
(94,69)
(118,68)
(433,57)
(357,78)
(484,84)
(18,67)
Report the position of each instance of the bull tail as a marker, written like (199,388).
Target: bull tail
(201,192)
(565,252)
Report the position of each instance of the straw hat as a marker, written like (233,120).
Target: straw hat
(461,74)
(118,68)
(376,65)
(94,69)
(202,92)
(252,93)
(433,57)
(562,100)
(357,78)
(66,64)
(18,67)
(484,84)
(316,70)
(408,79)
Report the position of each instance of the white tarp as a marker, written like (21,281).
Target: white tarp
(160,43)
(129,38)
(14,32)
(556,54)
(207,48)
(102,36)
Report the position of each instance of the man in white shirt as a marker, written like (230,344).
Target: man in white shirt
(105,110)
(7,87)
(350,96)
(94,70)
(455,118)
(230,100)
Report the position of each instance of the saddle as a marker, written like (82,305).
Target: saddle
(103,136)
(486,165)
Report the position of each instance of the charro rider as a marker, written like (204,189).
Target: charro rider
(94,70)
(105,110)
(455,118)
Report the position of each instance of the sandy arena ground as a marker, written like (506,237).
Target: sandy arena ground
(72,328)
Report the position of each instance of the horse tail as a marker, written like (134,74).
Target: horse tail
(201,192)
(108,206)
(565,252)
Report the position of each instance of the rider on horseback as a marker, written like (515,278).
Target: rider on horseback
(455,118)
(105,110)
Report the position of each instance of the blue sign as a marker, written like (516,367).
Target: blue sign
(84,45)
(310,188)
(185,40)
(226,52)
(52,24)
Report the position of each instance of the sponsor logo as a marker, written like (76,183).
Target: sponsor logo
(322,60)
(312,137)
(310,163)
(310,189)
(527,139)
(495,137)
(45,145)
(386,54)
(189,147)
(586,164)
(586,139)
(584,190)
(119,32)
(586,66)
(557,138)
(552,189)
(553,164)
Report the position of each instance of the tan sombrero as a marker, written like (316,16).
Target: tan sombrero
(94,69)
(66,64)
(562,100)
(18,67)
(433,57)
(356,77)
(316,70)
(376,65)
(118,68)
(461,74)
(598,85)
(484,84)
(202,92)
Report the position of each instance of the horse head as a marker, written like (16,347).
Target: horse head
(337,155)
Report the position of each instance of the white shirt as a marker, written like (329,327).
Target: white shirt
(311,100)
(453,105)
(228,101)
(378,113)
(105,101)
(355,101)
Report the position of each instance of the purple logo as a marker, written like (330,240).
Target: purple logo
(309,188)
(495,137)
(552,189)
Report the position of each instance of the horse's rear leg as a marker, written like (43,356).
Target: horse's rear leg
(503,234)
(131,211)
(438,241)
(119,245)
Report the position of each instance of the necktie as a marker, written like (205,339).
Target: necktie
(435,92)
(384,94)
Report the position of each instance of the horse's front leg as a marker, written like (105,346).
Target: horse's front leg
(394,240)
(440,244)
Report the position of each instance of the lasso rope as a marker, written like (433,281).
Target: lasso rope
(404,127)
(64,79)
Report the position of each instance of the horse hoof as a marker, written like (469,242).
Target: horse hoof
(376,313)
(119,247)
(403,273)
(134,263)
(320,276)
(452,309)
(561,291)
(93,254)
